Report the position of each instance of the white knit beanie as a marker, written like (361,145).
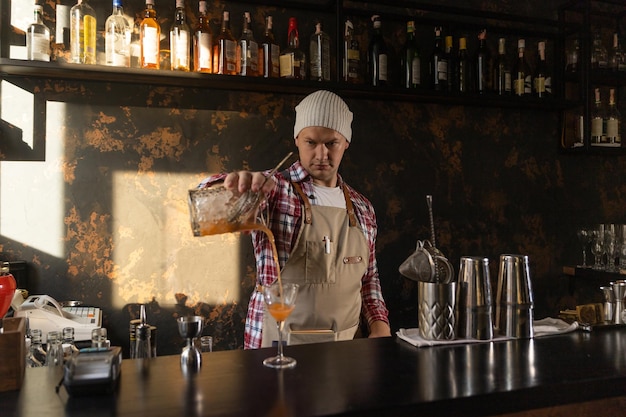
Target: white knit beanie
(324,109)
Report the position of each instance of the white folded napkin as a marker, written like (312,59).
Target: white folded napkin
(549,326)
(413,337)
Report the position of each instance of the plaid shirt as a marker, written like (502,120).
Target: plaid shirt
(284,209)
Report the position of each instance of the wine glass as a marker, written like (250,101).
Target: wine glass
(611,249)
(280,300)
(189,328)
(597,249)
(584,237)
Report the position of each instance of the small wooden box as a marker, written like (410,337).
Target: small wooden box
(12,353)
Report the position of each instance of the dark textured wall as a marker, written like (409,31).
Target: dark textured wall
(128,153)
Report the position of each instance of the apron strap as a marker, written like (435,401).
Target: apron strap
(349,207)
(307,203)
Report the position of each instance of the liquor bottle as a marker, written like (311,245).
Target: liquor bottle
(83,33)
(62,24)
(269,53)
(598,134)
(410,63)
(599,54)
(319,54)
(203,42)
(225,49)
(521,72)
(117,34)
(573,53)
(452,68)
(541,78)
(616,55)
(38,38)
(483,62)
(293,59)
(377,55)
(438,64)
(502,71)
(351,55)
(247,50)
(180,40)
(149,38)
(613,121)
(463,67)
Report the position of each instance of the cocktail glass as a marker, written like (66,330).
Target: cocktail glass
(280,300)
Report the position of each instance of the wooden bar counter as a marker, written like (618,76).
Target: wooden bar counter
(573,374)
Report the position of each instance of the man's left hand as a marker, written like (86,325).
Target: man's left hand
(379,328)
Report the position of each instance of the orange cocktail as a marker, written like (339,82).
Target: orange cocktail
(280,311)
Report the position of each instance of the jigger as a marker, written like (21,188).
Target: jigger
(189,328)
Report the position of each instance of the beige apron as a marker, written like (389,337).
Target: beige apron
(328,261)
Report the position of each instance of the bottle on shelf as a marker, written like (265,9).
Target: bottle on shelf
(62,24)
(541,79)
(377,55)
(572,56)
(598,129)
(83,33)
(613,121)
(502,71)
(617,61)
(293,59)
(269,52)
(599,54)
(463,67)
(203,41)
(149,38)
(225,49)
(247,50)
(38,38)
(521,72)
(438,64)
(117,33)
(351,55)
(410,63)
(483,64)
(319,54)
(452,68)
(180,40)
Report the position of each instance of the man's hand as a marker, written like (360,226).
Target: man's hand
(379,329)
(246,180)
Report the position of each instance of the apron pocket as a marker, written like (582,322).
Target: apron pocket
(320,266)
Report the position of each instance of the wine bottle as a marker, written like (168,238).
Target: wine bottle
(83,33)
(203,41)
(438,64)
(247,50)
(149,38)
(599,54)
(225,49)
(377,56)
(502,71)
(540,80)
(319,54)
(463,67)
(450,56)
(269,53)
(38,37)
(293,59)
(410,63)
(117,37)
(613,121)
(616,55)
(180,40)
(483,62)
(351,55)
(573,53)
(521,72)
(598,133)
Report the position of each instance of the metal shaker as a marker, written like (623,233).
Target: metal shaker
(436,310)
(514,304)
(609,303)
(619,289)
(473,299)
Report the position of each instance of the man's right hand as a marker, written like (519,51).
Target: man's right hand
(247,180)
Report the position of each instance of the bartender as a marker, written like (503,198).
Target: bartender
(325,233)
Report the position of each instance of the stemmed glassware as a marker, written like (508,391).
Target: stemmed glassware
(611,249)
(597,249)
(585,237)
(280,299)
